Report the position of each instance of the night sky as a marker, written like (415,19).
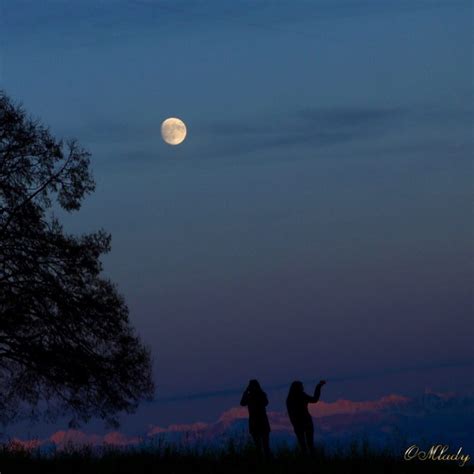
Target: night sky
(316,222)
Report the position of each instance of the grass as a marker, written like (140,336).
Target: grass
(164,459)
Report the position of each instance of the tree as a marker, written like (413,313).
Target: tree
(66,343)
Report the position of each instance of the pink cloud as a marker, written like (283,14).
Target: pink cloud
(279,420)
(332,418)
(183,428)
(234,413)
(63,439)
(348,406)
(115,438)
(16,444)
(74,437)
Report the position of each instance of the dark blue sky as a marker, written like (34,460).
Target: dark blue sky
(316,222)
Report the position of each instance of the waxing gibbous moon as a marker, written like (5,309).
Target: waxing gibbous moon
(173,131)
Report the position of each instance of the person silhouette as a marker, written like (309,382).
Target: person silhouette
(297,406)
(255,399)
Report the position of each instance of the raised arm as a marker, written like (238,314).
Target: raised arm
(317,393)
(245,398)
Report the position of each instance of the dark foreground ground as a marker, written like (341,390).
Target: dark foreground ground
(229,461)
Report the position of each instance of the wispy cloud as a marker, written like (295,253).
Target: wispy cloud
(310,128)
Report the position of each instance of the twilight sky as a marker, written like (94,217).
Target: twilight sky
(316,222)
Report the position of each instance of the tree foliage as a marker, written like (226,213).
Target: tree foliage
(66,344)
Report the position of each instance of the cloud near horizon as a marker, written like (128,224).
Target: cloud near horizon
(334,418)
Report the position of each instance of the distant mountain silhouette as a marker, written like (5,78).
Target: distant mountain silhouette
(394,421)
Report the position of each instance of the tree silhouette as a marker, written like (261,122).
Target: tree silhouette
(66,344)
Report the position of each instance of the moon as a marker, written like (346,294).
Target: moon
(173,131)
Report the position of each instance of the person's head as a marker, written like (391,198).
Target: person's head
(254,386)
(296,388)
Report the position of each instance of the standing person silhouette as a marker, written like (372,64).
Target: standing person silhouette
(297,406)
(256,400)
